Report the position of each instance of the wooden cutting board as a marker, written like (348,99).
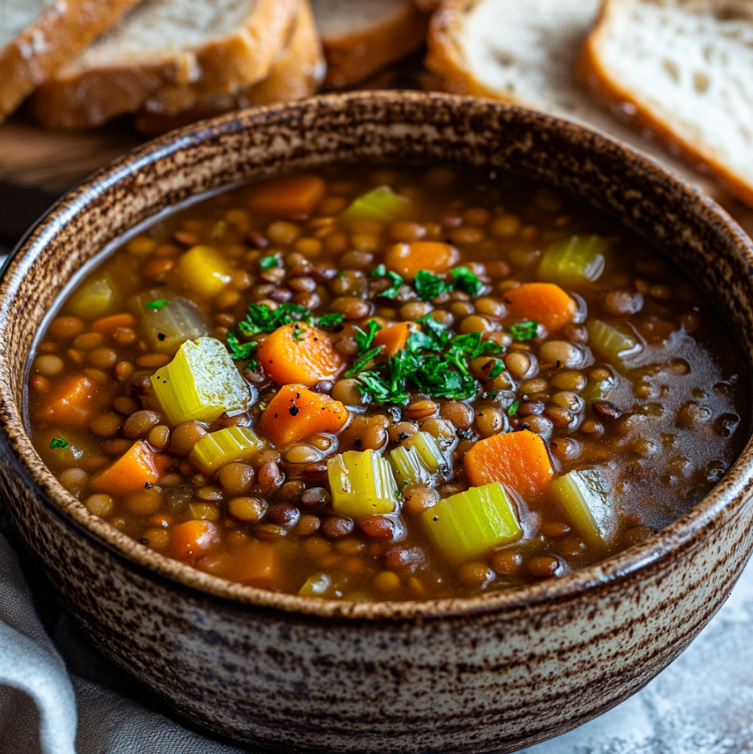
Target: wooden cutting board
(37,166)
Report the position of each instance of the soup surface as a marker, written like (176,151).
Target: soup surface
(373,383)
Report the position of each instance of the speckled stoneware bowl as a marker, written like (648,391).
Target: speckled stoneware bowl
(492,673)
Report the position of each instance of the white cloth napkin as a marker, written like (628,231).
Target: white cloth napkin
(59,696)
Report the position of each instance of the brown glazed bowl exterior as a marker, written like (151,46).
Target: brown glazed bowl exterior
(490,673)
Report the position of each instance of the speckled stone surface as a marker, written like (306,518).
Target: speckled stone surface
(492,673)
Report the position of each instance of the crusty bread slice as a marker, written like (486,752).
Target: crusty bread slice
(165,56)
(297,73)
(684,70)
(38,36)
(525,53)
(362,36)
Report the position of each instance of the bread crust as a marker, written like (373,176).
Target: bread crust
(355,57)
(625,106)
(56,36)
(298,73)
(445,58)
(224,65)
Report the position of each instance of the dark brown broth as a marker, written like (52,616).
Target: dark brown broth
(684,409)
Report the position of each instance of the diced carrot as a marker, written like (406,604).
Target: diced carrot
(517,459)
(296,412)
(300,354)
(193,539)
(70,404)
(395,337)
(407,259)
(113,322)
(256,564)
(131,472)
(546,303)
(288,195)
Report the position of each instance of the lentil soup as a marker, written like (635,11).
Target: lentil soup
(387,383)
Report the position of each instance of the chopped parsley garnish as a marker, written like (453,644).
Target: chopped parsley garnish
(496,369)
(329,320)
(299,333)
(524,330)
(428,285)
(157,304)
(513,409)
(239,350)
(396,280)
(58,442)
(433,363)
(266,263)
(363,360)
(261,318)
(365,339)
(467,281)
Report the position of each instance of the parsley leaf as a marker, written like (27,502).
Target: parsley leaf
(395,279)
(513,409)
(261,318)
(266,263)
(436,332)
(328,320)
(299,334)
(394,289)
(467,281)
(58,442)
(157,304)
(497,369)
(239,350)
(524,330)
(363,360)
(365,339)
(428,285)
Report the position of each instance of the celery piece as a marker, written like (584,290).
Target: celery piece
(203,270)
(615,342)
(96,298)
(584,499)
(575,261)
(200,383)
(361,484)
(408,467)
(217,449)
(416,459)
(431,455)
(469,524)
(381,205)
(168,327)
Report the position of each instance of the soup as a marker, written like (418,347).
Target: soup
(387,384)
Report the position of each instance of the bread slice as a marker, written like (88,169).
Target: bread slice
(38,36)
(525,53)
(362,36)
(297,73)
(165,56)
(684,70)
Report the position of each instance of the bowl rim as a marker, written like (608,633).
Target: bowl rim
(651,555)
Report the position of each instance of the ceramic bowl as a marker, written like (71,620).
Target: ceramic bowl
(491,673)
